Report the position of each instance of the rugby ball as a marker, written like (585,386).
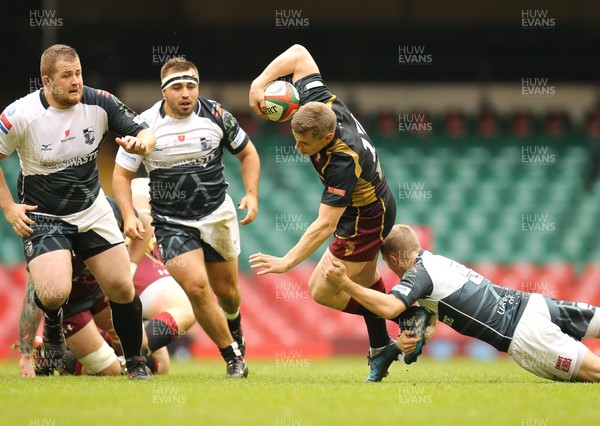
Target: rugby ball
(282,100)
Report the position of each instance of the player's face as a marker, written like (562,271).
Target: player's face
(308,144)
(181,99)
(65,88)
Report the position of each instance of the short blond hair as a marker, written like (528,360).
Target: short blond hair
(52,55)
(177,64)
(402,241)
(315,118)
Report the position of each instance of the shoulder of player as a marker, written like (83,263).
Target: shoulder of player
(209,108)
(93,96)
(153,115)
(346,145)
(214,111)
(22,111)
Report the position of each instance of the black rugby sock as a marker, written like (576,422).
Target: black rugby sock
(127,322)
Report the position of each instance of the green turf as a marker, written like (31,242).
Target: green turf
(332,392)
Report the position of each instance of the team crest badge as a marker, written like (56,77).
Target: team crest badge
(29,248)
(205,144)
(349,249)
(88,135)
(181,138)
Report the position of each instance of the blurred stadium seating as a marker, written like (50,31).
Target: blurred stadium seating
(466,184)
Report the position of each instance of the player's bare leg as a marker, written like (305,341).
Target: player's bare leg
(169,314)
(383,349)
(162,360)
(111,269)
(223,278)
(88,346)
(51,275)
(189,271)
(590,368)
(328,294)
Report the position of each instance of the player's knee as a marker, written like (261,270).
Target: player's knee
(52,296)
(120,292)
(227,293)
(320,296)
(197,290)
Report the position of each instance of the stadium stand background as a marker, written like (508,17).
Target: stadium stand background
(502,181)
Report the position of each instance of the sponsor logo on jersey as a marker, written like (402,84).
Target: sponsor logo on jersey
(46,147)
(128,157)
(336,191)
(67,136)
(103,93)
(70,162)
(402,289)
(563,364)
(88,135)
(181,138)
(238,139)
(11,110)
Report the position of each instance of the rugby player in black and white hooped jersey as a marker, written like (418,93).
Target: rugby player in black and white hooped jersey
(357,206)
(194,218)
(56,132)
(543,335)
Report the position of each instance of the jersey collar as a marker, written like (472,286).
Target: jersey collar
(43,100)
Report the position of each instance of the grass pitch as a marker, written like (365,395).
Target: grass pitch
(305,392)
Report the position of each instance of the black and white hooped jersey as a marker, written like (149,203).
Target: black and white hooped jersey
(57,148)
(185,168)
(463,299)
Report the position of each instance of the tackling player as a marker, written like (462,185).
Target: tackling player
(56,132)
(357,206)
(194,218)
(543,335)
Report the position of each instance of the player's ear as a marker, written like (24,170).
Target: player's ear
(394,259)
(329,136)
(45,80)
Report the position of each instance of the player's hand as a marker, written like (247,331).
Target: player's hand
(256,99)
(132,145)
(16,215)
(26,366)
(133,228)
(334,270)
(267,264)
(407,343)
(249,202)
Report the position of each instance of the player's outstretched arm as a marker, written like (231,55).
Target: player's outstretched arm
(29,321)
(385,305)
(314,236)
(296,61)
